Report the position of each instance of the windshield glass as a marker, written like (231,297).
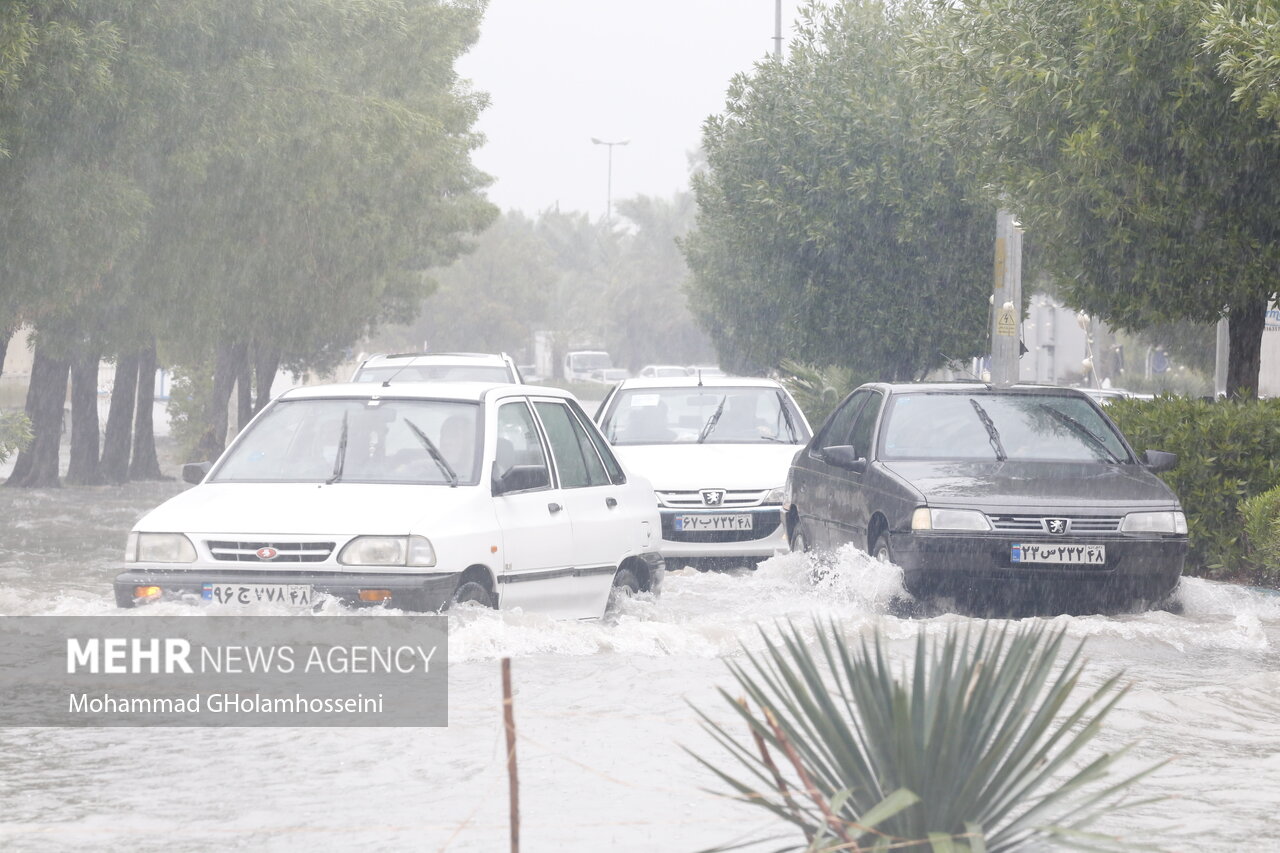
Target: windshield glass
(358,441)
(708,414)
(991,425)
(434,373)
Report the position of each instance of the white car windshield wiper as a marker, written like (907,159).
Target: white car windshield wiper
(1081,430)
(713,420)
(993,434)
(436,455)
(341,458)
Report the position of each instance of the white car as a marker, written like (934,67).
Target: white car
(414,497)
(662,371)
(717,452)
(438,367)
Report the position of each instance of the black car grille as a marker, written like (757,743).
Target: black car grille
(286,552)
(1039,523)
(763,524)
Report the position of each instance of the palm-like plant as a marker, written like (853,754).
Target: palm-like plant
(974,748)
(818,390)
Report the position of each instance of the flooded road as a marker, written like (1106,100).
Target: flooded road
(603,711)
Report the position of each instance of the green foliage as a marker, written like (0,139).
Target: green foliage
(978,746)
(833,227)
(15,433)
(1110,131)
(818,390)
(1246,39)
(1261,515)
(1227,453)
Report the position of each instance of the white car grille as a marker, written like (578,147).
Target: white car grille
(712,499)
(261,551)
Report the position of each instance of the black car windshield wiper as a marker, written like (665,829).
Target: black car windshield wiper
(786,416)
(436,455)
(1081,430)
(993,434)
(341,458)
(713,420)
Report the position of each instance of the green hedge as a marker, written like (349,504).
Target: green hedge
(1261,515)
(1227,452)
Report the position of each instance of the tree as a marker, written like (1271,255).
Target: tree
(832,227)
(1109,129)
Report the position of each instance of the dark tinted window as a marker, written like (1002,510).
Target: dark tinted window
(864,427)
(837,430)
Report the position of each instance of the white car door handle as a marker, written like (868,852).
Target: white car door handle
(610,502)
(554,508)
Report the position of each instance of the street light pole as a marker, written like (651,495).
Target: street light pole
(608,205)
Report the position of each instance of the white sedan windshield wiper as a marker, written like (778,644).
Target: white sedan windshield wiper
(436,455)
(993,434)
(1081,430)
(341,459)
(713,420)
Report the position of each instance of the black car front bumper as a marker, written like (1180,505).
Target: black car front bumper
(963,564)
(417,592)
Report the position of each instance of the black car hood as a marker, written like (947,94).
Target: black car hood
(1019,485)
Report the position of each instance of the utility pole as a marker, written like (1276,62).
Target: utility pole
(1006,302)
(777,29)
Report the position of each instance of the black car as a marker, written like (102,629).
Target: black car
(980,493)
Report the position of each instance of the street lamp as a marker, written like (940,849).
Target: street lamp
(608,205)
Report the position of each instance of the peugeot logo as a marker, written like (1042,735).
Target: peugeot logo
(1056,525)
(267,553)
(712,497)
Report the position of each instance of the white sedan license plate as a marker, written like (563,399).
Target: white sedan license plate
(298,595)
(1087,555)
(721,521)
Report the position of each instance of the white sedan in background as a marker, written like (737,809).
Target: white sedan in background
(717,451)
(415,497)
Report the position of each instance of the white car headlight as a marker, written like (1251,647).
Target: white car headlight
(1154,522)
(930,518)
(159,548)
(388,551)
(775,496)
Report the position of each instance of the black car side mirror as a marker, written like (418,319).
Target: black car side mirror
(194,472)
(520,478)
(844,456)
(1158,460)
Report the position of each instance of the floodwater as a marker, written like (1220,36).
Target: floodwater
(603,711)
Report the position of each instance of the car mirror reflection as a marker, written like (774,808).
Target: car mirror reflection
(1159,460)
(194,472)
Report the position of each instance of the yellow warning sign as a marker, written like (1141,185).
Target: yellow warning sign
(1006,322)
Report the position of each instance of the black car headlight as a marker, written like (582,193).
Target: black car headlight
(933,518)
(1168,521)
(388,551)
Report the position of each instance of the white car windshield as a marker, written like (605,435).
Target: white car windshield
(706,414)
(434,373)
(995,426)
(359,441)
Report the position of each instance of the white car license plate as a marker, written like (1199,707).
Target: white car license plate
(298,595)
(722,521)
(1088,555)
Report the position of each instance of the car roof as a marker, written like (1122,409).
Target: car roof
(693,382)
(462,391)
(437,358)
(971,388)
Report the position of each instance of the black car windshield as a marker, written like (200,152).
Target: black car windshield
(990,424)
(359,441)
(434,373)
(706,414)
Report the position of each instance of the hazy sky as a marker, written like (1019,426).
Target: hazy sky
(559,72)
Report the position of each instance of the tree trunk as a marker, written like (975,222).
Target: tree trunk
(37,466)
(145,465)
(119,438)
(244,392)
(265,364)
(83,467)
(5,336)
(1245,324)
(225,369)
